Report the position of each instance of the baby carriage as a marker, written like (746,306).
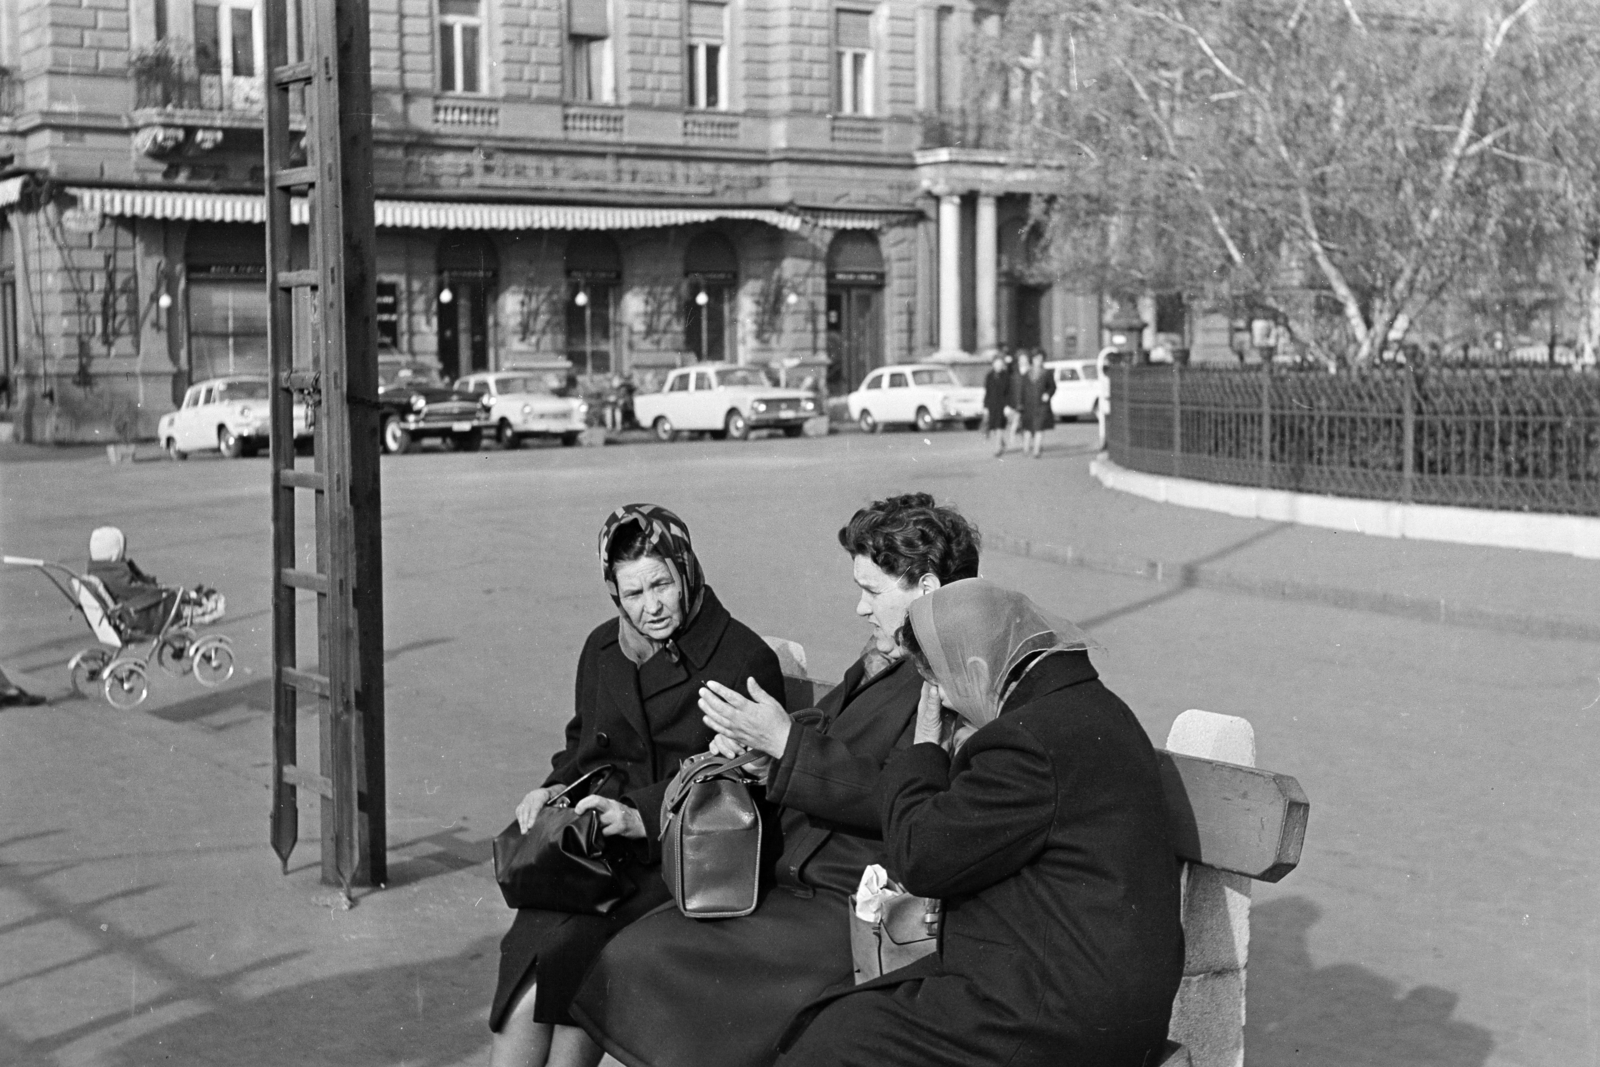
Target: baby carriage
(123,672)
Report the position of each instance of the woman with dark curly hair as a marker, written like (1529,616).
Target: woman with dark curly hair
(635,710)
(676,992)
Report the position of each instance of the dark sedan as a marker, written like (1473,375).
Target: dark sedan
(416,404)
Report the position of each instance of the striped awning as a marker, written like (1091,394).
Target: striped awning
(416,214)
(852,220)
(11,190)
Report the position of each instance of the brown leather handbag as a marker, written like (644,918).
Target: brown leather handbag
(560,864)
(711,838)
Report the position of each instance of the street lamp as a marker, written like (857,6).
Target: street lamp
(701,299)
(582,300)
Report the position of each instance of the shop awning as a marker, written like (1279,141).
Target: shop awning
(852,220)
(417,214)
(11,190)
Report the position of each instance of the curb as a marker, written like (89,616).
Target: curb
(1574,535)
(1398,605)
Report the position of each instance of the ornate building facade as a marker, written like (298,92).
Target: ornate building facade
(626,184)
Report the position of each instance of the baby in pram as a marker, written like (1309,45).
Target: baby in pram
(149,601)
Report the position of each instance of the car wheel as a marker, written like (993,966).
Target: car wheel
(793,431)
(228,443)
(925,421)
(507,436)
(867,423)
(173,451)
(736,426)
(973,424)
(568,440)
(396,438)
(663,429)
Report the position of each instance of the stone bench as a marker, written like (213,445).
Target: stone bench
(1232,824)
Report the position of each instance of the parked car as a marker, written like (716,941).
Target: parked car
(416,404)
(725,401)
(229,414)
(527,403)
(921,395)
(1081,390)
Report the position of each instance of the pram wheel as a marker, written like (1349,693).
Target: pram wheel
(86,669)
(212,661)
(174,649)
(126,684)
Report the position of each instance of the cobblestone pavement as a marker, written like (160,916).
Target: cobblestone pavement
(1443,914)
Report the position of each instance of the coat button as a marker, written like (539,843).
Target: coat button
(602,739)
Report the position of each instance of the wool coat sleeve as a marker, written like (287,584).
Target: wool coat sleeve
(955,829)
(820,776)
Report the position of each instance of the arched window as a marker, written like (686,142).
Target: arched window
(711,270)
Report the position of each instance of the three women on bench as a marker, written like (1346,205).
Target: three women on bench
(971,750)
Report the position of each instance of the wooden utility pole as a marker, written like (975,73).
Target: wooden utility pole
(318,67)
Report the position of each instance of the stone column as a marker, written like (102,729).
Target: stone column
(949,272)
(987,272)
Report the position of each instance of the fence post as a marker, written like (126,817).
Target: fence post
(1266,424)
(1177,420)
(1408,436)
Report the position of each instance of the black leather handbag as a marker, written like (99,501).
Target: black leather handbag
(711,838)
(560,864)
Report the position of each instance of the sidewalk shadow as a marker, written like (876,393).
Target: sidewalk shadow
(426,1013)
(1343,1015)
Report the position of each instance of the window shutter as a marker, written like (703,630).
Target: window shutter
(588,18)
(854,29)
(706,21)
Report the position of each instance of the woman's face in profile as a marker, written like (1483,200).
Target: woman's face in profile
(650,597)
(884,602)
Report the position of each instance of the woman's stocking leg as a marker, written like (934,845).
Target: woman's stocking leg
(521,1042)
(571,1047)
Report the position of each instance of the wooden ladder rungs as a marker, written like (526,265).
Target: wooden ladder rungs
(317,583)
(294,73)
(303,480)
(299,279)
(305,381)
(290,177)
(295,775)
(306,681)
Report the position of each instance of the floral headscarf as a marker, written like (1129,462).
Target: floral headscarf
(974,632)
(667,538)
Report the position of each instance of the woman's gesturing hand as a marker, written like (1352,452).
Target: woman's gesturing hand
(616,818)
(930,716)
(530,807)
(759,722)
(723,745)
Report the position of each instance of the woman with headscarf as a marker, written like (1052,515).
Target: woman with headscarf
(678,992)
(639,677)
(1046,837)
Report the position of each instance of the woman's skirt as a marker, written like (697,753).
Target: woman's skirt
(558,947)
(677,992)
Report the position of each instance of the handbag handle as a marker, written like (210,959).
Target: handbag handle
(710,766)
(560,798)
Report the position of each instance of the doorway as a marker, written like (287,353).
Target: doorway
(468,276)
(711,280)
(855,309)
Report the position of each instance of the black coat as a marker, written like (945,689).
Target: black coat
(676,992)
(642,721)
(997,397)
(1031,396)
(1046,836)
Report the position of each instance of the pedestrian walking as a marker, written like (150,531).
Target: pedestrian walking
(1035,387)
(997,403)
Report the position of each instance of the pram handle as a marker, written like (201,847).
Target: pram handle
(24,561)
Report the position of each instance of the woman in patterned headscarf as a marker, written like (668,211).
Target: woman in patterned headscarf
(636,710)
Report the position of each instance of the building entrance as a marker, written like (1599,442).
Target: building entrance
(226,300)
(711,276)
(855,309)
(469,270)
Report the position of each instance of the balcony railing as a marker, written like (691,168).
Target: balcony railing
(854,130)
(709,127)
(172,88)
(472,114)
(993,128)
(587,120)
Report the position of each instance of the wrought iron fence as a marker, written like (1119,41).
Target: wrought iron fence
(1512,439)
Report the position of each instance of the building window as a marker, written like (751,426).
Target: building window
(460,46)
(707,61)
(388,316)
(589,60)
(853,38)
(228,54)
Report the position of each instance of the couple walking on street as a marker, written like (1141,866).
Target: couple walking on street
(1017,400)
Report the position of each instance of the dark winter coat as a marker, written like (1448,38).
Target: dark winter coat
(676,992)
(1031,396)
(996,397)
(642,721)
(1046,836)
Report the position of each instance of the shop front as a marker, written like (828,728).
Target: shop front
(855,313)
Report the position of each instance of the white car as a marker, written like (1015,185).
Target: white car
(725,401)
(920,395)
(228,414)
(1081,389)
(521,404)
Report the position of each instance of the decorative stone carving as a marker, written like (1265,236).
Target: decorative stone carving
(207,139)
(159,140)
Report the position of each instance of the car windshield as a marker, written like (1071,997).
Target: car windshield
(749,376)
(242,391)
(1090,371)
(530,383)
(969,374)
(391,375)
(941,376)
